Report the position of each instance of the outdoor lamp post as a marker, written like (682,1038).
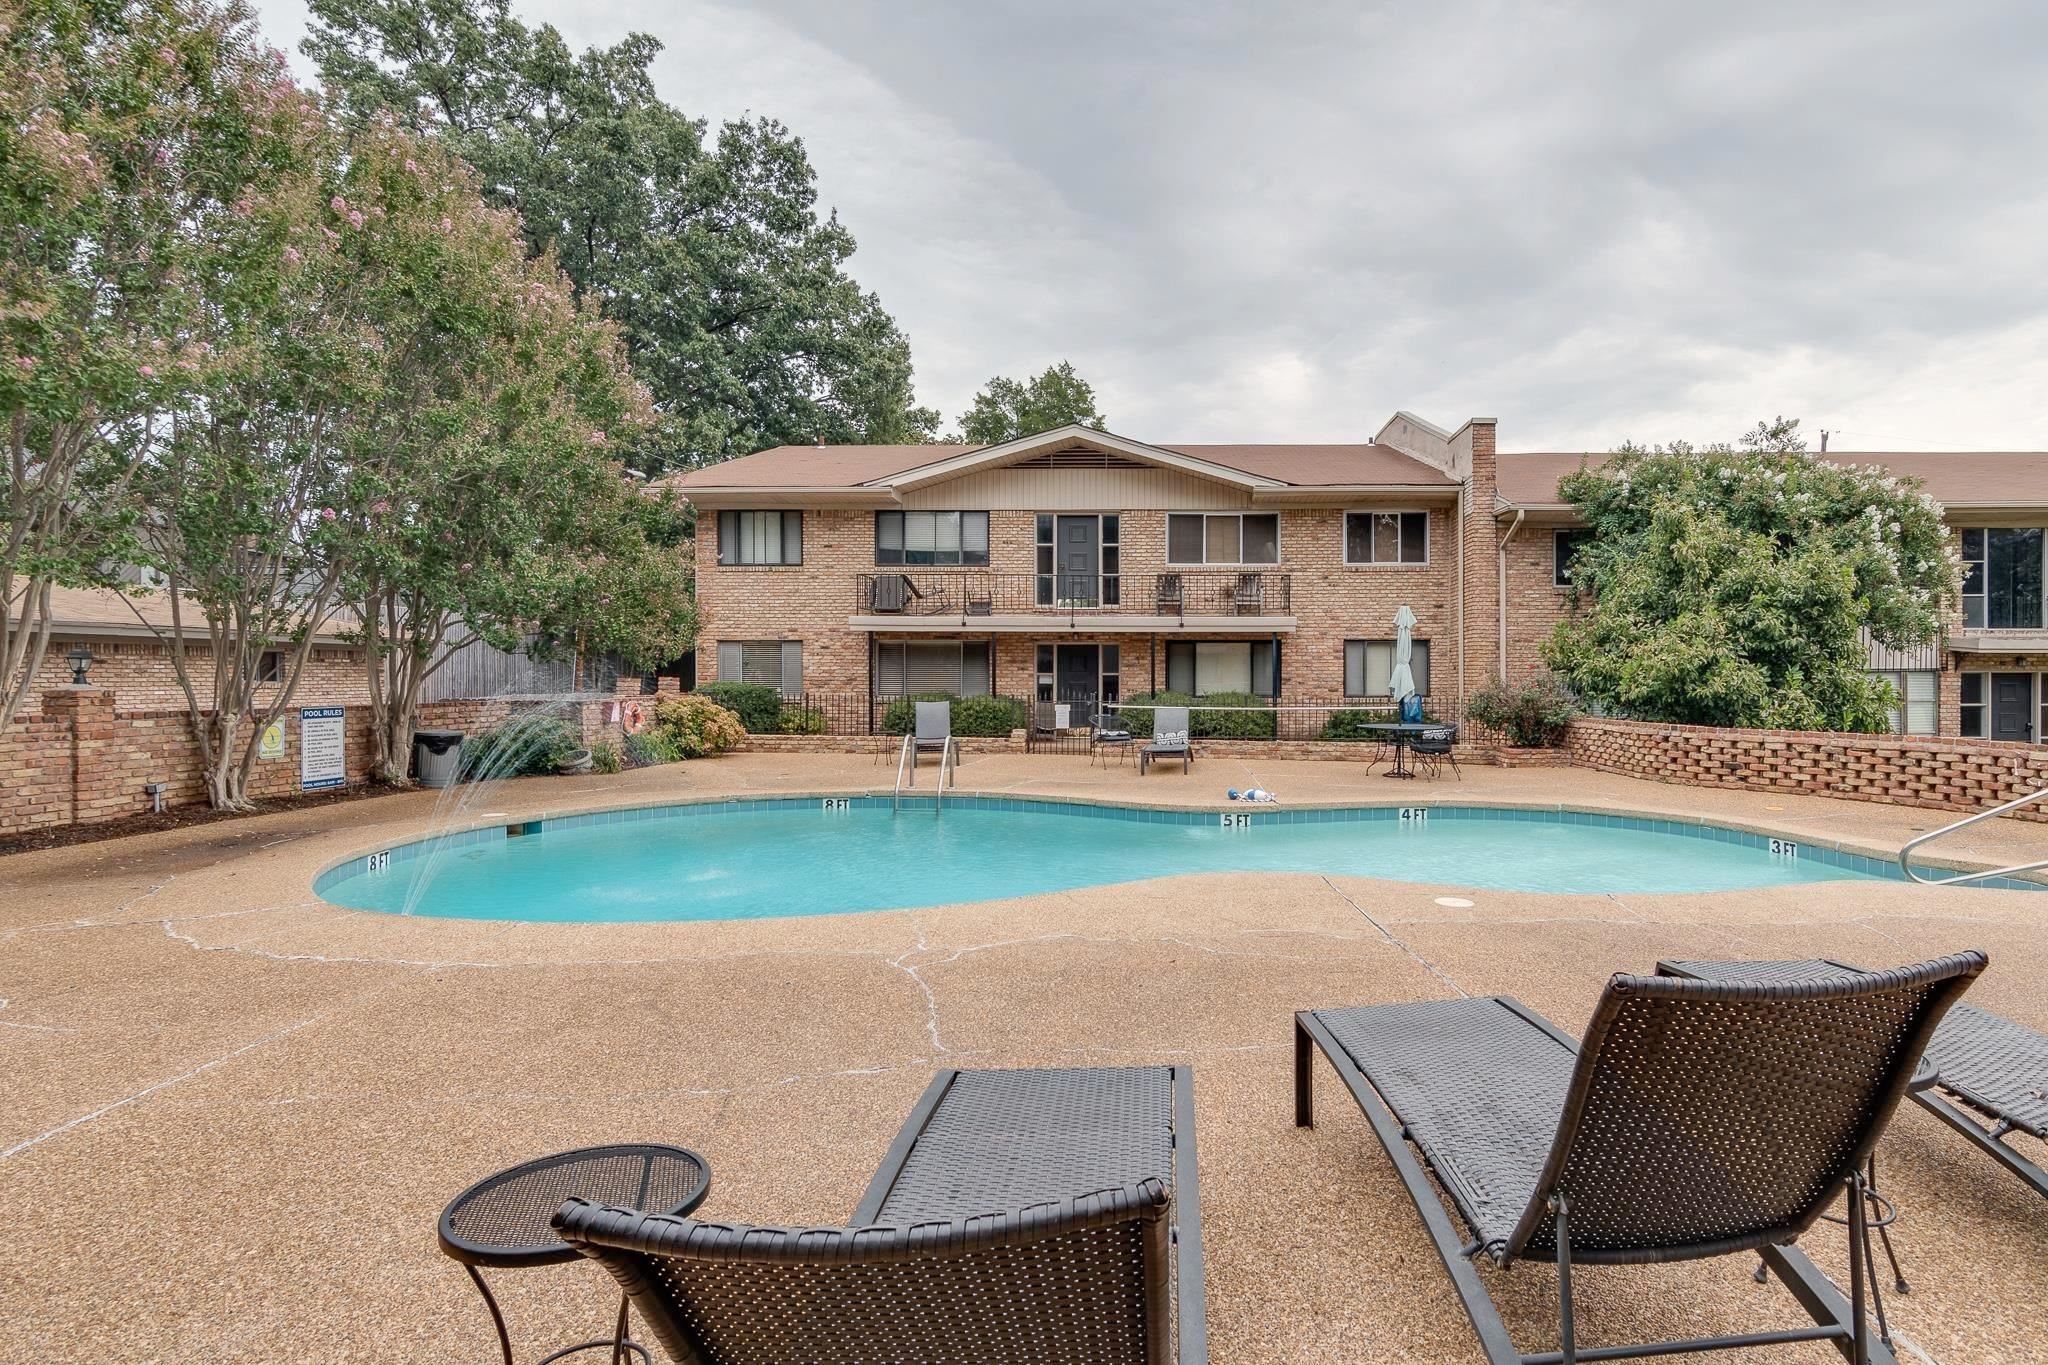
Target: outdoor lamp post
(80,659)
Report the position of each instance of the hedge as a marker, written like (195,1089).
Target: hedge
(979,717)
(758,706)
(1206,724)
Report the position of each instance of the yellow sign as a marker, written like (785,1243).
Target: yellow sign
(272,745)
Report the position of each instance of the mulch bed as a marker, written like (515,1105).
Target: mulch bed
(63,836)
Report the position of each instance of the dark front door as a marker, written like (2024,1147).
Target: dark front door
(2012,706)
(1078,545)
(1079,673)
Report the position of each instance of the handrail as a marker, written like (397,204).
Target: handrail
(1905,853)
(904,756)
(948,760)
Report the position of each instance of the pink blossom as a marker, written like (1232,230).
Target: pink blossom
(412,167)
(242,208)
(327,514)
(447,225)
(167,54)
(467,566)
(24,363)
(291,255)
(597,438)
(163,154)
(338,204)
(355,219)
(147,372)
(381,505)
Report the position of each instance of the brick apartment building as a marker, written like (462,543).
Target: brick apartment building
(1079,564)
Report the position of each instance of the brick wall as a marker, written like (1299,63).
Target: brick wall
(140,672)
(1481,586)
(1535,603)
(1938,772)
(81,760)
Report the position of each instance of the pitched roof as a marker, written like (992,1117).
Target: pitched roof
(105,611)
(842,466)
(1956,478)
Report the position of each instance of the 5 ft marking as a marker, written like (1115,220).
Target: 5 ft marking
(1236,819)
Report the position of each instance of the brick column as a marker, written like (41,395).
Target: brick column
(667,686)
(1479,661)
(87,714)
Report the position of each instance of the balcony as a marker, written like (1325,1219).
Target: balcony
(979,599)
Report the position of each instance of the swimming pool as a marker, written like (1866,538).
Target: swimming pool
(838,855)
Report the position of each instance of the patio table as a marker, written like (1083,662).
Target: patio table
(501,1222)
(1400,733)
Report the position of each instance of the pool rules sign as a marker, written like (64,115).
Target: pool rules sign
(323,747)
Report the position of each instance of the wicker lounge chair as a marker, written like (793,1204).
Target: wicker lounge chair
(1171,738)
(1697,1119)
(1019,1218)
(1977,1061)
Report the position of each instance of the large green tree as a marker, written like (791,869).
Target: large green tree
(1734,585)
(133,133)
(1006,409)
(708,249)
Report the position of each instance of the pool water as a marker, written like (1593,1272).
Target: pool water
(759,859)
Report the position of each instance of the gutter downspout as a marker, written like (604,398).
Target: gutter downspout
(1463,489)
(1500,560)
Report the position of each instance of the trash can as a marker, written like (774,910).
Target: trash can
(437,757)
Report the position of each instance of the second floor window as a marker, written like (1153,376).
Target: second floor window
(1386,537)
(1225,538)
(931,538)
(2002,578)
(760,537)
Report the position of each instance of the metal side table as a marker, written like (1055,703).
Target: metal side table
(501,1222)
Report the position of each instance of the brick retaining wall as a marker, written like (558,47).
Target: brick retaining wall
(1937,772)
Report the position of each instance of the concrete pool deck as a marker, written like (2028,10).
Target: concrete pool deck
(229,1113)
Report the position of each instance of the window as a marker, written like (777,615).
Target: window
(1975,719)
(1386,537)
(1203,667)
(772,663)
(931,538)
(760,537)
(1563,547)
(1369,667)
(1914,709)
(269,667)
(2002,578)
(956,667)
(1225,538)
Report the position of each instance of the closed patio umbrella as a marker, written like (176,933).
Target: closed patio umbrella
(1401,682)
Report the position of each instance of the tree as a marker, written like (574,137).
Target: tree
(1006,409)
(710,254)
(130,131)
(1734,585)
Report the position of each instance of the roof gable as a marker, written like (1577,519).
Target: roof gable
(1062,440)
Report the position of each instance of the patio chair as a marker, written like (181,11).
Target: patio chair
(1171,595)
(934,733)
(1170,739)
(1696,1119)
(1977,1061)
(1019,1217)
(1249,594)
(1108,734)
(1431,749)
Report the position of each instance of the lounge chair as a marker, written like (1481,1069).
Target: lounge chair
(1170,739)
(1433,748)
(1977,1061)
(1696,1119)
(1019,1217)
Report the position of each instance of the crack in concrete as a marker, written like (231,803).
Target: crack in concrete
(1397,941)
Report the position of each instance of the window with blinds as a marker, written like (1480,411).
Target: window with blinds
(1915,706)
(1201,668)
(1369,667)
(771,663)
(1386,537)
(760,537)
(931,538)
(958,668)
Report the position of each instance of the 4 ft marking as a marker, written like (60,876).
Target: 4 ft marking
(1414,815)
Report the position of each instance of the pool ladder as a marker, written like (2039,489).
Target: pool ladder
(1906,853)
(906,771)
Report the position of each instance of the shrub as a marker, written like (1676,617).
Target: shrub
(651,747)
(982,717)
(1531,714)
(697,726)
(1205,723)
(1350,725)
(604,758)
(758,706)
(801,720)
(520,749)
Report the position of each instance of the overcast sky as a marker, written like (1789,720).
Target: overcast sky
(1284,221)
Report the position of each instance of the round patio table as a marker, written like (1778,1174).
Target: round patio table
(1398,733)
(501,1222)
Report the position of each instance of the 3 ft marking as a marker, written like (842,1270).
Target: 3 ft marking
(835,805)
(1236,819)
(379,862)
(1414,815)
(1784,848)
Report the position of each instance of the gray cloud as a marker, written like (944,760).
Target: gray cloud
(1283,221)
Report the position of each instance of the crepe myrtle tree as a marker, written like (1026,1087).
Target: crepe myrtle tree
(1733,585)
(491,506)
(130,131)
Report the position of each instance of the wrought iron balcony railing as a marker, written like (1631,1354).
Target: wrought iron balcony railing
(968,593)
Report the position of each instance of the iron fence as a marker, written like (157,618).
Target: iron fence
(970,593)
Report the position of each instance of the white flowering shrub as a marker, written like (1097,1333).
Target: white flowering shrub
(1731,585)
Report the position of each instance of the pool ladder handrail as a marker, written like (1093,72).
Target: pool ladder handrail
(1906,853)
(905,761)
(906,770)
